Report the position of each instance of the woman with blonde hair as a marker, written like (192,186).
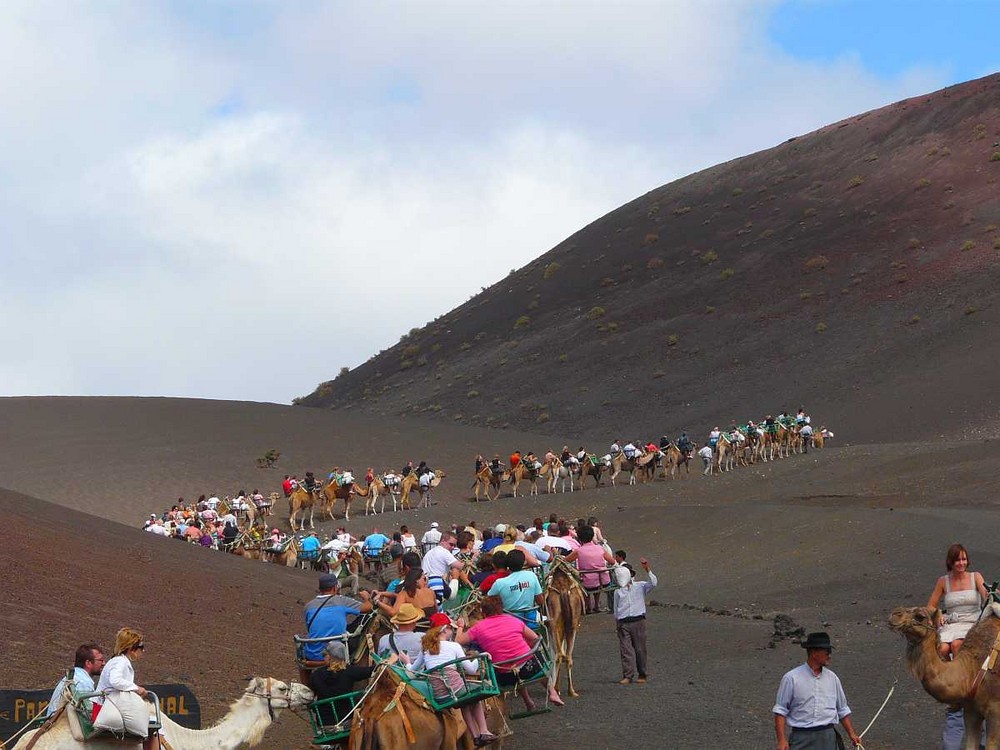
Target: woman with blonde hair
(117,682)
(438,649)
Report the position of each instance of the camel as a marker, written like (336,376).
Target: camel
(489,483)
(396,715)
(247,720)
(288,558)
(346,492)
(620,463)
(561,474)
(379,489)
(522,473)
(410,482)
(675,458)
(301,500)
(564,604)
(952,682)
(725,453)
(589,468)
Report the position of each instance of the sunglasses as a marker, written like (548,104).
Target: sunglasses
(140,647)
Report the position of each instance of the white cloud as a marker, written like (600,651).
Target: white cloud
(198,207)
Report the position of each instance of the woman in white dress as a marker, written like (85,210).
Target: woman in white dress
(961,594)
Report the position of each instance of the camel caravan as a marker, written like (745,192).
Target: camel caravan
(645,461)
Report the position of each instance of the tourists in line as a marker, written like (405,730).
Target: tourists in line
(630,619)
(811,701)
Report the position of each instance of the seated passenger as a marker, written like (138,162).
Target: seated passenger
(414,591)
(520,590)
(404,639)
(505,638)
(590,558)
(326,615)
(336,678)
(88,664)
(310,547)
(438,649)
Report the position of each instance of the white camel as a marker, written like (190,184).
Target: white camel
(247,720)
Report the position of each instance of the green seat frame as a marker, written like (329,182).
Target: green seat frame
(539,652)
(475,687)
(325,734)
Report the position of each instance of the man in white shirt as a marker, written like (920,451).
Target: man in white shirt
(806,434)
(157,528)
(212,502)
(707,454)
(550,543)
(440,565)
(811,701)
(431,538)
(88,665)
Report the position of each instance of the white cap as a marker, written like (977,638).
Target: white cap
(500,528)
(434,524)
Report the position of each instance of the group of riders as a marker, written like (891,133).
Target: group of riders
(345,478)
(785,432)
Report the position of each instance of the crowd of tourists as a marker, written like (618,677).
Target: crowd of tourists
(210,521)
(424,585)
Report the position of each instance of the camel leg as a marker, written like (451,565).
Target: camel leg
(312,510)
(974,731)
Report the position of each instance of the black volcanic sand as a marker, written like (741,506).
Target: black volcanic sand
(834,540)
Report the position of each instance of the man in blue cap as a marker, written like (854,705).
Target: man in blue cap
(811,701)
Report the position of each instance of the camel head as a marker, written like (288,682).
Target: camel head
(278,694)
(914,623)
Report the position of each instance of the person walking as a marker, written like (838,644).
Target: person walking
(811,701)
(630,620)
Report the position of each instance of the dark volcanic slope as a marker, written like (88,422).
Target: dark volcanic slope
(853,269)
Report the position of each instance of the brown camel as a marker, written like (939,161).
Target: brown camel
(334,491)
(379,489)
(302,500)
(620,463)
(522,473)
(489,483)
(589,468)
(953,682)
(395,715)
(410,483)
(564,604)
(675,459)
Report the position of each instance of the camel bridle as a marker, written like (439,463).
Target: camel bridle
(268,695)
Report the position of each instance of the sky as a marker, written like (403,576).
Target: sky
(234,199)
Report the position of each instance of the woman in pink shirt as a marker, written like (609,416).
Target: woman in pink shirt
(508,641)
(592,558)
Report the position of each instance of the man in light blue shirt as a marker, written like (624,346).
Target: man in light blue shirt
(87,666)
(374,543)
(811,701)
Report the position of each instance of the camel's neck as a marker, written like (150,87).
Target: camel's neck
(947,681)
(245,723)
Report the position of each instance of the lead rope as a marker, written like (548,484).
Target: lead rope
(859,746)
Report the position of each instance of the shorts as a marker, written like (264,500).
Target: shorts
(530,670)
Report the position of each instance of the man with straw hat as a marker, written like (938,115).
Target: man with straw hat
(811,701)
(405,639)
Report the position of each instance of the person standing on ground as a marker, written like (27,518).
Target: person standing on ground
(630,620)
(811,701)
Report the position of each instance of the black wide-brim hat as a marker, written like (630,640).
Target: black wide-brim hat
(817,640)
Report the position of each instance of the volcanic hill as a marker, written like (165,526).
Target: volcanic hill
(852,270)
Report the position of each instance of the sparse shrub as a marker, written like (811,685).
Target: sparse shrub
(816,263)
(465,346)
(436,348)
(996,156)
(913,243)
(563,359)
(411,351)
(809,212)
(406,364)
(607,281)
(533,305)
(968,245)
(855,181)
(343,371)
(922,183)
(659,374)
(709,309)
(673,339)
(914,320)
(595,312)
(996,244)
(269,459)
(820,327)
(458,417)
(682,210)
(970,310)
(948,205)
(654,263)
(522,322)
(542,418)
(737,192)
(627,268)
(805,295)
(550,270)
(654,209)
(990,228)
(902,279)
(472,394)
(871,157)
(979,132)
(422,360)
(709,256)
(612,327)
(650,238)
(481,335)
(767,234)
(727,273)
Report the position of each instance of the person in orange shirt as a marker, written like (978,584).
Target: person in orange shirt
(515,459)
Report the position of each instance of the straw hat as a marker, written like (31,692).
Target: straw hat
(126,639)
(406,615)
